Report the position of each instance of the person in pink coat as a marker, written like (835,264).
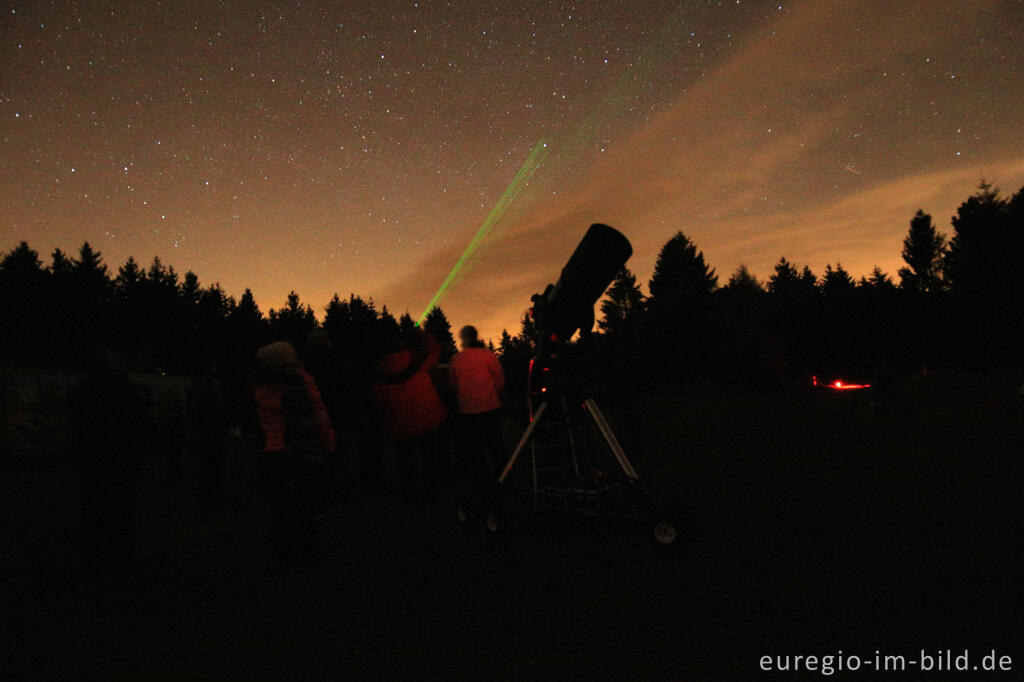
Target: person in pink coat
(297,438)
(412,408)
(477,378)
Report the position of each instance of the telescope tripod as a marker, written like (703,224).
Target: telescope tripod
(589,493)
(591,407)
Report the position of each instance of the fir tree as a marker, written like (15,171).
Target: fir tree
(623,304)
(437,325)
(923,251)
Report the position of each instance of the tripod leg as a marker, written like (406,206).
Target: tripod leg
(609,436)
(523,441)
(572,441)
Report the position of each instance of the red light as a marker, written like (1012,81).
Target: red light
(838,385)
(841,386)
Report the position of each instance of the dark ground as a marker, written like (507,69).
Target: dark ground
(817,526)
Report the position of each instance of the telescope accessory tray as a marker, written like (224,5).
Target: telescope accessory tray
(588,500)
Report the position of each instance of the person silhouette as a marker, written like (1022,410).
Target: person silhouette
(477,378)
(208,415)
(298,438)
(335,386)
(105,422)
(412,408)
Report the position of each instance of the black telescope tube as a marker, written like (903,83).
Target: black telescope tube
(569,305)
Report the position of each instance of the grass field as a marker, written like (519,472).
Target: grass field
(816,526)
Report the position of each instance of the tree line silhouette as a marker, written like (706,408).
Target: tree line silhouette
(957,303)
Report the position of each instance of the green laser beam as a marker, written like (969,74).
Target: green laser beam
(514,189)
(617,102)
(603,120)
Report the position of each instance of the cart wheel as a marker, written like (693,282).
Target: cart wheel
(663,533)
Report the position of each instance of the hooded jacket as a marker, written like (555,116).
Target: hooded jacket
(405,391)
(291,412)
(477,377)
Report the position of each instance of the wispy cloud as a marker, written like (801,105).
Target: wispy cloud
(752,160)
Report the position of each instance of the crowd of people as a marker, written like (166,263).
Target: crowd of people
(319,435)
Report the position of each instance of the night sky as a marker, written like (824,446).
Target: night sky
(357,146)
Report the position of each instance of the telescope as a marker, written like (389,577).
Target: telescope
(568,305)
(564,473)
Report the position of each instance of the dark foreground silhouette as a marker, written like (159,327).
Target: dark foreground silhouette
(817,525)
(105,424)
